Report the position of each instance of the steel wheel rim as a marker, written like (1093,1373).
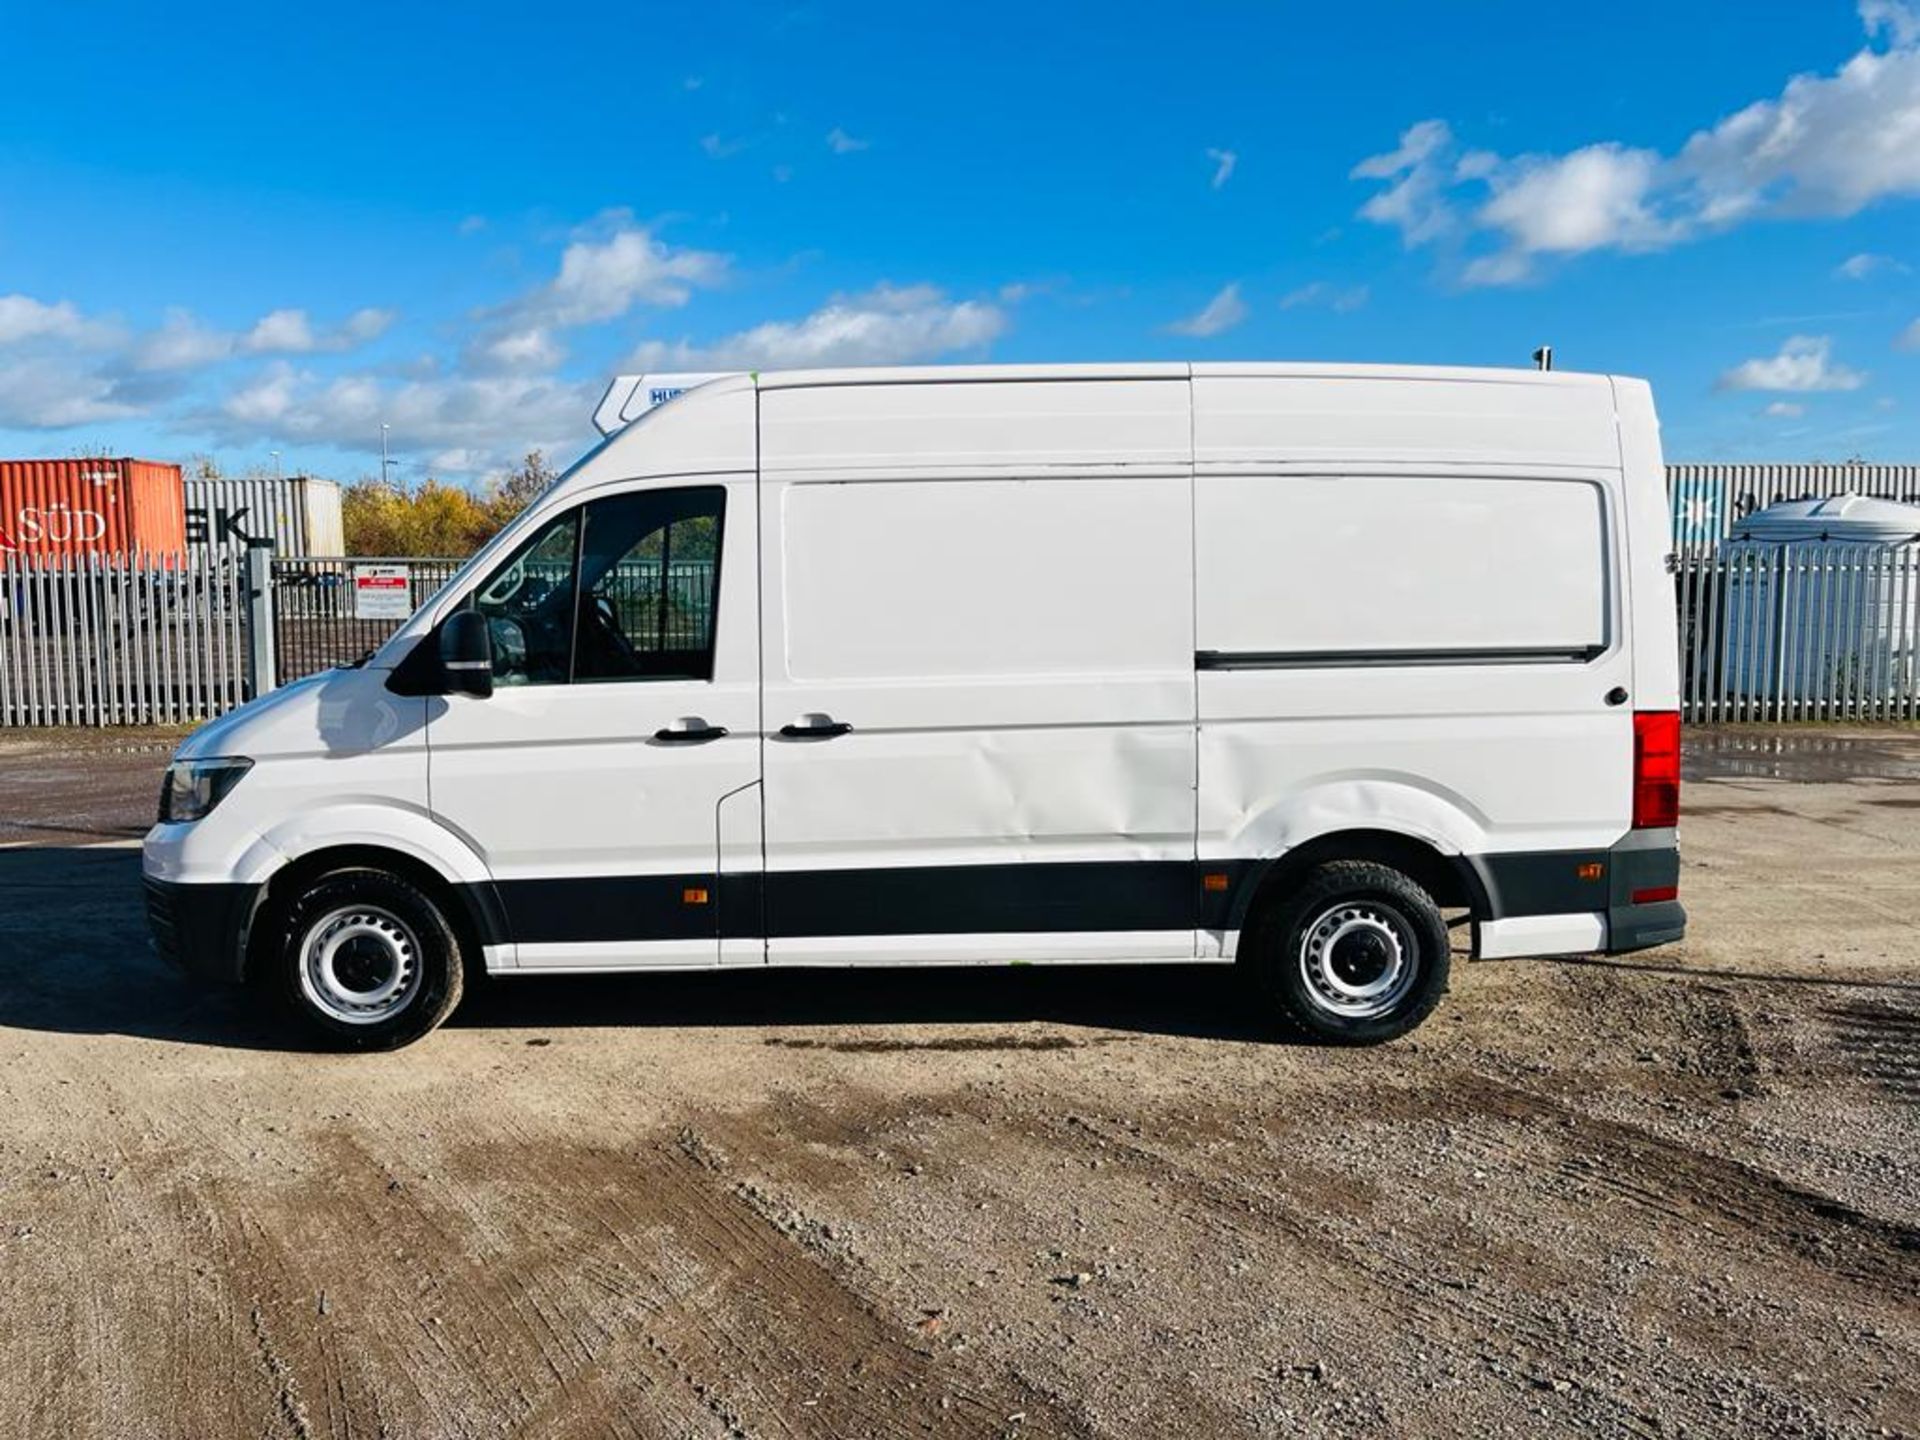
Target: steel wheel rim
(1358,960)
(360,965)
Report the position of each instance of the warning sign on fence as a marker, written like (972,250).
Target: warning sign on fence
(382,592)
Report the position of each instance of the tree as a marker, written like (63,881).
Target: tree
(435,518)
(513,492)
(431,518)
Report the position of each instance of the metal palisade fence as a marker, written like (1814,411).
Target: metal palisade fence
(1785,633)
(320,619)
(121,640)
(1768,633)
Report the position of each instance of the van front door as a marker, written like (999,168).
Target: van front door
(613,774)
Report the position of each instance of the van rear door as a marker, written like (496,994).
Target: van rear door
(977,604)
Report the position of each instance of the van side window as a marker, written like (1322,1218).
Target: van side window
(649,567)
(618,589)
(528,603)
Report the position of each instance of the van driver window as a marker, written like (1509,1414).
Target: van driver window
(619,589)
(649,566)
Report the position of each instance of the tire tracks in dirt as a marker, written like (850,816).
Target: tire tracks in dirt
(623,1291)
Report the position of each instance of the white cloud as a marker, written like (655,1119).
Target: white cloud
(720,147)
(39,395)
(1897,19)
(530,349)
(888,325)
(368,323)
(1865,266)
(1591,199)
(286,332)
(1216,317)
(603,278)
(1784,410)
(1415,202)
(841,143)
(1802,366)
(266,399)
(1223,163)
(1323,292)
(1826,145)
(24,318)
(183,343)
(1829,145)
(483,416)
(1909,338)
(473,225)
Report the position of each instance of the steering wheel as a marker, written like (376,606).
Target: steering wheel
(607,621)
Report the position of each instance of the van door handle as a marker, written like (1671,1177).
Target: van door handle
(815,727)
(688,730)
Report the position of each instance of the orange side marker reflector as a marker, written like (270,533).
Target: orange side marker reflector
(693,895)
(1215,883)
(1592,870)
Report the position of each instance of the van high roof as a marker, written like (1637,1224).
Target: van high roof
(628,397)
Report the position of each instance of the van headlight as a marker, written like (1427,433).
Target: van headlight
(193,787)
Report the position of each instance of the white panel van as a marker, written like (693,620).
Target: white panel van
(1299,668)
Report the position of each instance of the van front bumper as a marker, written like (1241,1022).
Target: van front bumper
(201,929)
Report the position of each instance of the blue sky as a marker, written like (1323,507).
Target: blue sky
(231,231)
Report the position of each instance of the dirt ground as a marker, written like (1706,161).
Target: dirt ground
(1669,1194)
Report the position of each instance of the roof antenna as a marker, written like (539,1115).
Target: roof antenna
(1543,358)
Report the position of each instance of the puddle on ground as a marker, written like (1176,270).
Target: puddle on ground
(1799,756)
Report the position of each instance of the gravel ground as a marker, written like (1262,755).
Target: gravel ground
(1673,1193)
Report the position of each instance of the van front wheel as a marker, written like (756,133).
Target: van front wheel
(368,961)
(1354,956)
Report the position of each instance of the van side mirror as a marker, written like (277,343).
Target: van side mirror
(466,654)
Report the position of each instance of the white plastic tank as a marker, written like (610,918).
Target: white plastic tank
(1820,600)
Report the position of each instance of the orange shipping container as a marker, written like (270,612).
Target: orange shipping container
(51,508)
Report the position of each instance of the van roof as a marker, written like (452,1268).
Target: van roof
(1163,370)
(628,397)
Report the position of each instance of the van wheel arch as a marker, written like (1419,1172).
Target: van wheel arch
(474,911)
(1454,881)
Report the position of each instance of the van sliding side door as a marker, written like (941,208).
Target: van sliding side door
(978,683)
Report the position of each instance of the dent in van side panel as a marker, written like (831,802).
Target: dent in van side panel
(1286,756)
(986,795)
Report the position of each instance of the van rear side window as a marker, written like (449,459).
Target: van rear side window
(1422,568)
(936,578)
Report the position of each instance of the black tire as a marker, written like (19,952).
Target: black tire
(1372,926)
(392,944)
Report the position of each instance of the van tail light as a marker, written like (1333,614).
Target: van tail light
(1656,769)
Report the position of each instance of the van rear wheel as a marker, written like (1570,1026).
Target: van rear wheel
(1354,956)
(368,960)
